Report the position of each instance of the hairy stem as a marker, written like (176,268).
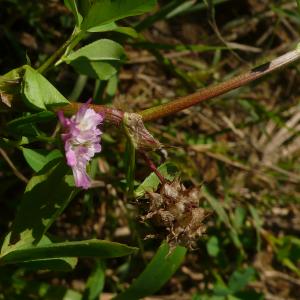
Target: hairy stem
(112,115)
(115,116)
(219,89)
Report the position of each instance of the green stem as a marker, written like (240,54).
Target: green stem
(66,47)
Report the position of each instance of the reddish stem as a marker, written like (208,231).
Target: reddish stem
(177,105)
(153,168)
(112,115)
(116,116)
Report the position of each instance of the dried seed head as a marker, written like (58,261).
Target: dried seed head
(177,210)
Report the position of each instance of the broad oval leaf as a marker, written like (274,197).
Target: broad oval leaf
(107,11)
(37,159)
(100,59)
(100,50)
(96,69)
(38,92)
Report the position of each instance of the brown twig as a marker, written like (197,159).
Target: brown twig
(12,166)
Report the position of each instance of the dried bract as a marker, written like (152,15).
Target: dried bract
(139,135)
(177,209)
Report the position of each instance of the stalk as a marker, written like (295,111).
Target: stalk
(116,116)
(68,45)
(182,103)
(112,115)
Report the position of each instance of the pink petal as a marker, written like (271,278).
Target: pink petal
(61,117)
(81,178)
(81,139)
(71,158)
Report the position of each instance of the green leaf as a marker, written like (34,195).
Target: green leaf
(222,214)
(238,218)
(87,248)
(160,269)
(100,50)
(46,196)
(53,264)
(61,264)
(24,130)
(151,183)
(38,92)
(13,75)
(10,86)
(217,206)
(37,159)
(159,15)
(100,59)
(258,222)
(289,264)
(240,279)
(40,117)
(288,252)
(221,289)
(111,88)
(95,282)
(107,11)
(96,69)
(72,5)
(127,31)
(212,246)
(207,297)
(103,28)
(114,27)
(181,8)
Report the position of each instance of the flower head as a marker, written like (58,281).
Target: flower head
(81,139)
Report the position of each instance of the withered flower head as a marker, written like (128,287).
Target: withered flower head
(141,138)
(177,210)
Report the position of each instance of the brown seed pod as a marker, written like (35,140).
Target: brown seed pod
(177,210)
